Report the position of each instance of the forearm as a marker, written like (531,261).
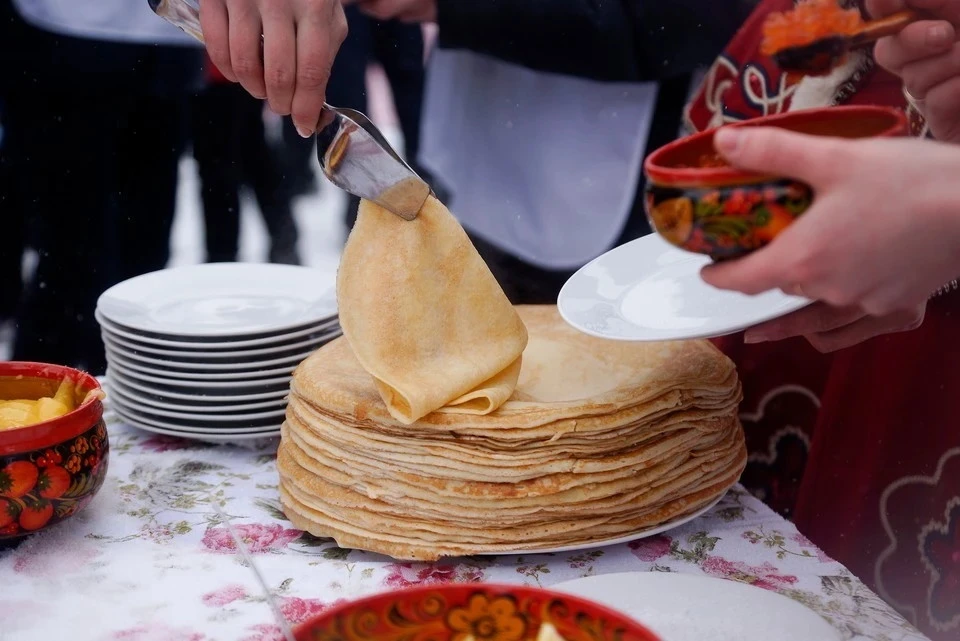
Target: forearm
(610,40)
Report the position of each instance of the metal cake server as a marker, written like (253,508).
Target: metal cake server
(248,559)
(353,154)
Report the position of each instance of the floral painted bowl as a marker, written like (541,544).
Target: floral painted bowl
(698,203)
(460,611)
(49,471)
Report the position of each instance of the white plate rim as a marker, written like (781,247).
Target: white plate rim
(125,412)
(186,346)
(113,387)
(176,382)
(636,536)
(576,587)
(218,439)
(569,317)
(201,398)
(119,398)
(319,340)
(191,369)
(128,363)
(131,293)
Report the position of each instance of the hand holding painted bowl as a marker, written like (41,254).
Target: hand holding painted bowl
(471,611)
(699,203)
(53,462)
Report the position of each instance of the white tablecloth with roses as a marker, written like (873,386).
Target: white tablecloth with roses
(149,560)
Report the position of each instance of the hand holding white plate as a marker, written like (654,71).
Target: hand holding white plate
(648,290)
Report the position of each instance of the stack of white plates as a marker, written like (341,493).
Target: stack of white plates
(207,351)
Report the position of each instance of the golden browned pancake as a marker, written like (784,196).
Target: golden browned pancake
(424,315)
(597,441)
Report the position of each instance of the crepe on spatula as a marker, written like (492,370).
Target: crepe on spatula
(424,315)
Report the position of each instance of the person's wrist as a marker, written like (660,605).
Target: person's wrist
(946,215)
(950,287)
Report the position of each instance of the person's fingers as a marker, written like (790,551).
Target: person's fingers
(780,152)
(922,76)
(941,9)
(784,264)
(756,273)
(924,40)
(867,328)
(216,36)
(320,32)
(881,8)
(753,274)
(906,292)
(245,46)
(813,319)
(279,57)
(940,109)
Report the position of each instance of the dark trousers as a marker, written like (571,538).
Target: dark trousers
(95,131)
(103,215)
(398,47)
(13,238)
(230,146)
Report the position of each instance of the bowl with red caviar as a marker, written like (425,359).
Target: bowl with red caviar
(53,446)
(699,203)
(472,612)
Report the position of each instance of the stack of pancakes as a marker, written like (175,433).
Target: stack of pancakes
(599,440)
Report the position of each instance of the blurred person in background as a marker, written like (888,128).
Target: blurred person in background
(13,239)
(398,48)
(538,117)
(231,149)
(95,110)
(857,445)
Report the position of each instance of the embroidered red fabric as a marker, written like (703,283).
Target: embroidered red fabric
(860,448)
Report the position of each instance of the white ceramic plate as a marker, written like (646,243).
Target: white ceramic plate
(169,380)
(222,396)
(255,426)
(623,539)
(129,364)
(135,399)
(686,607)
(216,437)
(203,418)
(174,366)
(228,356)
(222,299)
(648,290)
(203,343)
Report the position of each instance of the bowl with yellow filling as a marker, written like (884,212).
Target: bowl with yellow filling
(53,445)
(472,612)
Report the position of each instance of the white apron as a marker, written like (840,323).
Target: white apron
(129,21)
(542,165)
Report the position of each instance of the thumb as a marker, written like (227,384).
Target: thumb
(773,151)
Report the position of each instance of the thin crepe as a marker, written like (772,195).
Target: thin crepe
(600,440)
(569,381)
(425,317)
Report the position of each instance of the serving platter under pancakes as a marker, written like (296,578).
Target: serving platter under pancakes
(597,444)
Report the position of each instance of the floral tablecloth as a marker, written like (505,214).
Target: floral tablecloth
(149,560)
